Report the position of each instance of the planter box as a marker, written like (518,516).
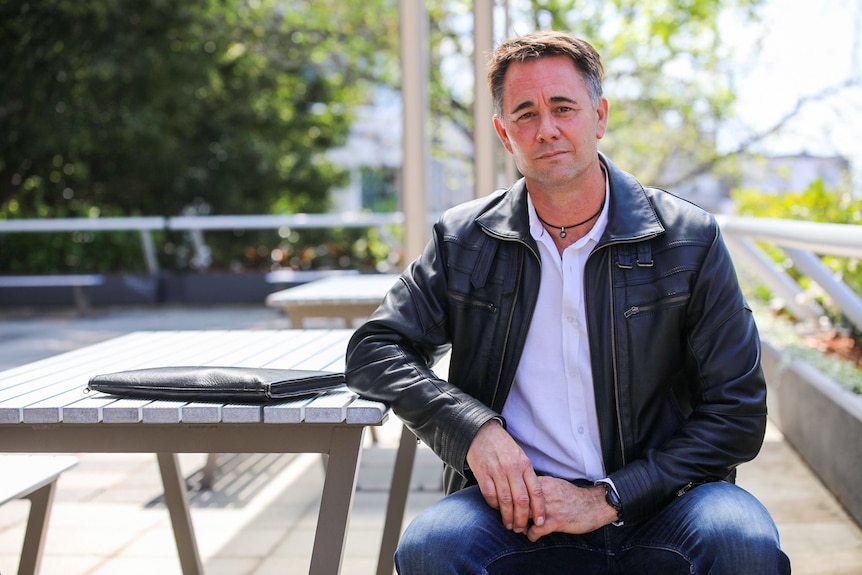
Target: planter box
(212,288)
(821,420)
(116,290)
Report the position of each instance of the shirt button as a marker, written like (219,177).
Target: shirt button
(581,430)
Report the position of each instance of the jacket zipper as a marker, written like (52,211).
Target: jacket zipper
(614,364)
(636,309)
(485,305)
(685,489)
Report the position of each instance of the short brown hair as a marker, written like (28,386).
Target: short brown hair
(538,45)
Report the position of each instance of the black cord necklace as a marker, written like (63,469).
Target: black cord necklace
(563,228)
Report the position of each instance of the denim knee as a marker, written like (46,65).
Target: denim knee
(446,537)
(727,530)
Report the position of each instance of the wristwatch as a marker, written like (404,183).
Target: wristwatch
(614,500)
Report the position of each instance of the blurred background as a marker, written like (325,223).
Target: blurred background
(126,109)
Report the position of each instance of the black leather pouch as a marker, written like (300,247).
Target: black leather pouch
(222,384)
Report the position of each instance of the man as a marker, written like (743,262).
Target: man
(604,378)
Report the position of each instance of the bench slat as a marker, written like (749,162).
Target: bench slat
(58,280)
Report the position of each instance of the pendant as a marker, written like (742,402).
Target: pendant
(562,232)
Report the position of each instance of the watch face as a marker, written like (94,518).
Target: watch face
(613,500)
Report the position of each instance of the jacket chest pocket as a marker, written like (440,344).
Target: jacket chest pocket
(481,276)
(647,288)
(650,307)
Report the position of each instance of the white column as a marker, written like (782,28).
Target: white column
(484,137)
(414,91)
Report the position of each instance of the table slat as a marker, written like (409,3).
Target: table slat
(124,411)
(242,413)
(287,412)
(365,411)
(329,407)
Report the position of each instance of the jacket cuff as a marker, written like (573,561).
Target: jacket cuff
(637,493)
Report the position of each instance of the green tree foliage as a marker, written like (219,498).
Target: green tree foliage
(155,107)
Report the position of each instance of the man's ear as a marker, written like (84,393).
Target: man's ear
(602,123)
(501,132)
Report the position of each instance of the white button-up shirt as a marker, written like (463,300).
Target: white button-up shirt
(551,410)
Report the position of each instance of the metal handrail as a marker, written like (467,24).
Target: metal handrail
(801,242)
(196,225)
(822,238)
(248,222)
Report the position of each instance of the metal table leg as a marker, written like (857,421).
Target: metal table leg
(34,536)
(397,500)
(336,503)
(176,498)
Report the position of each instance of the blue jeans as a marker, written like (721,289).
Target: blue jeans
(716,528)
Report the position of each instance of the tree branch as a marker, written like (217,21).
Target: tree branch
(757,137)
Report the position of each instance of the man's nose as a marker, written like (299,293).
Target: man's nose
(547,129)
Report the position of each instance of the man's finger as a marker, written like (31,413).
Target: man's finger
(489,492)
(521,508)
(537,499)
(504,498)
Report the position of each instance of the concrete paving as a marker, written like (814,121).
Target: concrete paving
(108,517)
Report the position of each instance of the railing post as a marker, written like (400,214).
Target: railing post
(845,298)
(776,279)
(149,252)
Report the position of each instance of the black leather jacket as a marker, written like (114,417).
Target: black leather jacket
(679,392)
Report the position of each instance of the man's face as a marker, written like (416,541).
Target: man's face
(548,122)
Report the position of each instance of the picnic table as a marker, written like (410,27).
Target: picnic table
(350,297)
(44,408)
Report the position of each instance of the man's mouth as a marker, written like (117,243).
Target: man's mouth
(552,154)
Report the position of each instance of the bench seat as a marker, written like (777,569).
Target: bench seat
(80,284)
(32,477)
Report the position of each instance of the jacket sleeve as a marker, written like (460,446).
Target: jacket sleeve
(727,419)
(390,359)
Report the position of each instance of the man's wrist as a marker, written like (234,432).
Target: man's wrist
(612,498)
(498,419)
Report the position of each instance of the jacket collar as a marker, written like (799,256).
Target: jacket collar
(631,216)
